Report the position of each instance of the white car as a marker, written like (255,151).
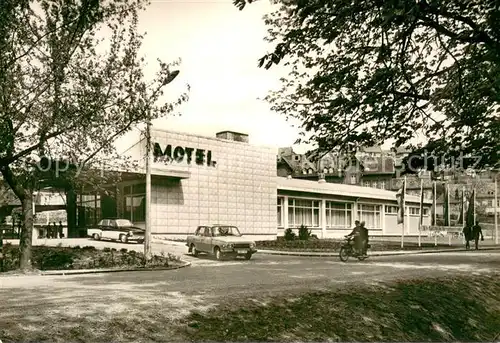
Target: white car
(117,229)
(221,241)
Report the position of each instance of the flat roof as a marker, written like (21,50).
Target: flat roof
(298,185)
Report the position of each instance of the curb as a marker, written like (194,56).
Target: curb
(108,270)
(374,254)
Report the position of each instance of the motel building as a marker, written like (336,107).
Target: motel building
(200,180)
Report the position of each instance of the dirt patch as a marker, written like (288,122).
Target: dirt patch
(452,309)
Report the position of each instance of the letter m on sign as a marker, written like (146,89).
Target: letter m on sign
(157,152)
(160,155)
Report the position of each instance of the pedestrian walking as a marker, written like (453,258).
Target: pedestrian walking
(476,233)
(467,236)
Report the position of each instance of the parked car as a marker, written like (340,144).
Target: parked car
(221,241)
(117,229)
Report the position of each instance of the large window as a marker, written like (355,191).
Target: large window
(303,212)
(135,203)
(91,209)
(338,215)
(280,212)
(370,214)
(391,209)
(414,211)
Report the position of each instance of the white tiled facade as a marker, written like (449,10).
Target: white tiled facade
(239,190)
(242,188)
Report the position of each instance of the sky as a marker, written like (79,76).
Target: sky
(219,47)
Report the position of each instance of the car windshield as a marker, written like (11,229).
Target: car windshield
(226,231)
(123,222)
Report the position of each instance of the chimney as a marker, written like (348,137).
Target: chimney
(321,178)
(232,136)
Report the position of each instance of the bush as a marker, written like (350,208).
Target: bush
(53,259)
(289,235)
(59,258)
(304,233)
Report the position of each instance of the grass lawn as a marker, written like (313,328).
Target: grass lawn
(452,309)
(330,245)
(458,309)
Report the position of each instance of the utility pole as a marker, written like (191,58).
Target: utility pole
(149,161)
(496,208)
(147,235)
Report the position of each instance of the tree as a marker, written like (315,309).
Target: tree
(363,72)
(65,93)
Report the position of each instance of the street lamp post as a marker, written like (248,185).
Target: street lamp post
(149,161)
(495,203)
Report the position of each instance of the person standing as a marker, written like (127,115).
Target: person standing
(54,229)
(476,232)
(61,231)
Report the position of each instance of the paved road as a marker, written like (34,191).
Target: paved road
(33,301)
(264,273)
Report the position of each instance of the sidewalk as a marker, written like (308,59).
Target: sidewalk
(181,246)
(373,253)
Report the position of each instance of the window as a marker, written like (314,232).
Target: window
(366,183)
(391,209)
(91,209)
(374,184)
(370,214)
(414,211)
(425,211)
(353,179)
(303,212)
(135,203)
(338,215)
(280,212)
(382,184)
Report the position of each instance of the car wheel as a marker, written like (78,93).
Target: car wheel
(218,254)
(193,250)
(248,256)
(96,236)
(123,239)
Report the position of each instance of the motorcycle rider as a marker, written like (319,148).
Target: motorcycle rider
(363,237)
(357,233)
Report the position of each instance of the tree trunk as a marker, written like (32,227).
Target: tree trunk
(71,209)
(25,243)
(1,241)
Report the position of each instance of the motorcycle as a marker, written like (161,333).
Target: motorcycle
(347,250)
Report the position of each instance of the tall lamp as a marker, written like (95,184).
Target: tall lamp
(495,205)
(147,235)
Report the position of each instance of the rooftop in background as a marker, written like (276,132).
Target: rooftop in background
(284,183)
(233,136)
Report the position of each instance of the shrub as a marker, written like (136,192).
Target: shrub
(54,259)
(289,235)
(304,233)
